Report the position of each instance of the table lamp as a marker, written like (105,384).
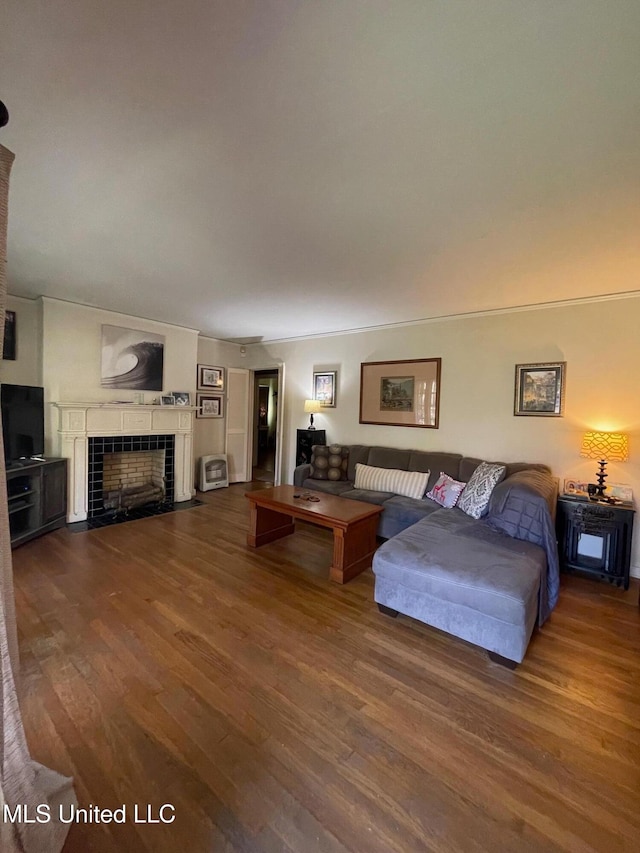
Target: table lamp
(312,407)
(606,447)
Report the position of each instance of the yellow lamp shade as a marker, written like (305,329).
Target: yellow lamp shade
(312,407)
(609,446)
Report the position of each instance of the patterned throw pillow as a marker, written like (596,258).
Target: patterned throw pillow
(329,462)
(446,491)
(475,498)
(410,484)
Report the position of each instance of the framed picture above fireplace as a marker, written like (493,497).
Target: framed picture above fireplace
(131,359)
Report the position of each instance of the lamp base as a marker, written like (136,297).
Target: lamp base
(601,476)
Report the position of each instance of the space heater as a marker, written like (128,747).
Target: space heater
(213,472)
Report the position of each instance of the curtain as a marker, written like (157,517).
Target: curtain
(22,781)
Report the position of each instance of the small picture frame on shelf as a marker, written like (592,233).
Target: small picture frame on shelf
(210,406)
(181,398)
(167,400)
(210,378)
(576,488)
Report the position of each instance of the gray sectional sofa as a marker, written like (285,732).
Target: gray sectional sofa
(488,580)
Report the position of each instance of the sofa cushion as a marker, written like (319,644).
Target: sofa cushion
(400,513)
(446,491)
(477,494)
(329,462)
(358,453)
(455,558)
(422,460)
(389,457)
(368,495)
(331,487)
(411,484)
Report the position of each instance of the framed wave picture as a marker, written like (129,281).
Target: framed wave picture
(131,359)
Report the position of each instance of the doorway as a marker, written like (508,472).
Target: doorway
(266,392)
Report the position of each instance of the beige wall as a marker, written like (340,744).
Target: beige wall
(209,435)
(598,340)
(71,356)
(27,368)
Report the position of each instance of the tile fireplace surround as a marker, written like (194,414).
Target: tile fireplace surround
(78,422)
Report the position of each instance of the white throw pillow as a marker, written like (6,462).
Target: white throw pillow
(475,498)
(446,491)
(411,484)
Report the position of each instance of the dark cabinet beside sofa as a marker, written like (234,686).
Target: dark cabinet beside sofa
(595,538)
(37,498)
(306,438)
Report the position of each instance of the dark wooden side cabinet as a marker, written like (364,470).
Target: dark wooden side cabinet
(595,538)
(306,438)
(37,496)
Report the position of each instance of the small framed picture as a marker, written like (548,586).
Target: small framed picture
(539,389)
(324,388)
(167,400)
(577,488)
(210,406)
(181,398)
(210,378)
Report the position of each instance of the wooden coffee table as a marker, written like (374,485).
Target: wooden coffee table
(354,524)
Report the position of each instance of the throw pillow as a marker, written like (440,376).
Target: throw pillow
(475,498)
(329,462)
(411,484)
(446,491)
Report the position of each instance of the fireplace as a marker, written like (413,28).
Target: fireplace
(118,465)
(87,432)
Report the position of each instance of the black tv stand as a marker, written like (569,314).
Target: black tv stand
(37,497)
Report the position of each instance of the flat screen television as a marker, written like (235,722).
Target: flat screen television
(22,421)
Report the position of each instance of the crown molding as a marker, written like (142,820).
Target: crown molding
(463,315)
(119,314)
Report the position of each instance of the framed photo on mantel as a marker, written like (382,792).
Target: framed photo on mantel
(401,393)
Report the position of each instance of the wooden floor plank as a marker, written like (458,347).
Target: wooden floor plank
(165,661)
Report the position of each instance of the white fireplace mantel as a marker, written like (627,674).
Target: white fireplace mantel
(78,422)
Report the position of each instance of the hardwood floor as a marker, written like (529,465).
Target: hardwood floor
(164,661)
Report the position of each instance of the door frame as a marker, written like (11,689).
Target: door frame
(276,367)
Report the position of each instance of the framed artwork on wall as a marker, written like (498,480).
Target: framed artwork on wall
(132,359)
(210,405)
(324,388)
(401,393)
(210,378)
(539,389)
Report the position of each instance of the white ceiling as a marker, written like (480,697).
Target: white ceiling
(273,168)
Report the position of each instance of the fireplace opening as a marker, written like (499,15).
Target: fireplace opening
(130,472)
(133,479)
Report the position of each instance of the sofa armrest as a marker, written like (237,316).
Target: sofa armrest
(301,473)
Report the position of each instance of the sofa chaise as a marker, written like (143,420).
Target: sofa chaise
(487,580)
